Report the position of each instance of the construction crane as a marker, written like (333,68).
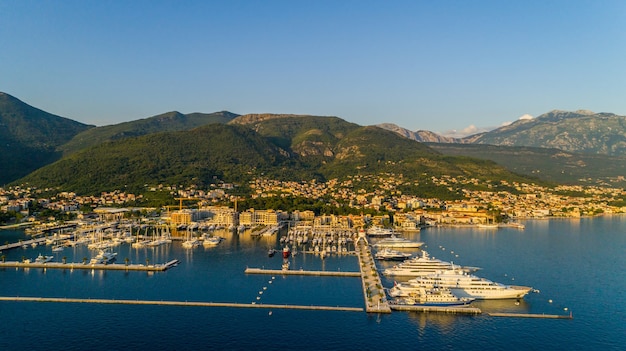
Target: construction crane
(180,206)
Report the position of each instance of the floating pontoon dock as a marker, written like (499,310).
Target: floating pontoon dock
(179,303)
(88,266)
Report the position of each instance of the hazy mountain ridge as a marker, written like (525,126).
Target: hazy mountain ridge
(423,136)
(579,131)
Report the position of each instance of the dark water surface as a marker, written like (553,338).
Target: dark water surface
(579,265)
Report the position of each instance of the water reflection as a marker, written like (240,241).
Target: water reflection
(444,322)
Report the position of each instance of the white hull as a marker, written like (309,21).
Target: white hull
(462,285)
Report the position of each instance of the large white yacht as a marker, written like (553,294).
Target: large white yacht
(398,242)
(433,297)
(423,265)
(461,284)
(379,231)
(103,257)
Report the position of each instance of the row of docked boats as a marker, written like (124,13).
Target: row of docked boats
(461,284)
(434,282)
(423,265)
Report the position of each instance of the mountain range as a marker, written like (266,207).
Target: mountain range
(581,131)
(176,148)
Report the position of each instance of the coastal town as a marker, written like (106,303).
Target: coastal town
(481,204)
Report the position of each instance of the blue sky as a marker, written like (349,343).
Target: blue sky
(433,65)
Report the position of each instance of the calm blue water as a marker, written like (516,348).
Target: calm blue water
(578,264)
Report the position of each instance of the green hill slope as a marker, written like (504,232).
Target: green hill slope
(30,137)
(185,157)
(286,148)
(549,164)
(170,121)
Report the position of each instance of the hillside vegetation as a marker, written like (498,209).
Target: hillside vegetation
(30,137)
(170,121)
(287,148)
(549,164)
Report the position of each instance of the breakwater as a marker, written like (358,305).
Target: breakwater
(89,266)
(178,303)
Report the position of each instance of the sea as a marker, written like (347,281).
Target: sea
(576,266)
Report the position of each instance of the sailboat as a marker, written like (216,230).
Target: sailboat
(191,241)
(492,225)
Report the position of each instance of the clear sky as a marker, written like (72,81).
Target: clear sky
(436,65)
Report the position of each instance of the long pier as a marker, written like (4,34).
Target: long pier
(532,315)
(22,243)
(178,303)
(301,272)
(375,297)
(89,266)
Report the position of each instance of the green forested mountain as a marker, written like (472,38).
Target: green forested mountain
(285,148)
(170,121)
(184,157)
(29,137)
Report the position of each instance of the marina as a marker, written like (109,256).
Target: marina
(270,308)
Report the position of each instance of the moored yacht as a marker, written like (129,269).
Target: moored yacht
(462,285)
(211,240)
(433,297)
(103,257)
(423,265)
(379,231)
(398,242)
(391,255)
(43,259)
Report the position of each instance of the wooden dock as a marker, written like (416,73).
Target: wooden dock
(301,272)
(179,303)
(88,266)
(532,315)
(22,243)
(373,292)
(437,309)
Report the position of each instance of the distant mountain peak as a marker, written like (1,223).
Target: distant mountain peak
(252,118)
(585,112)
(422,136)
(572,131)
